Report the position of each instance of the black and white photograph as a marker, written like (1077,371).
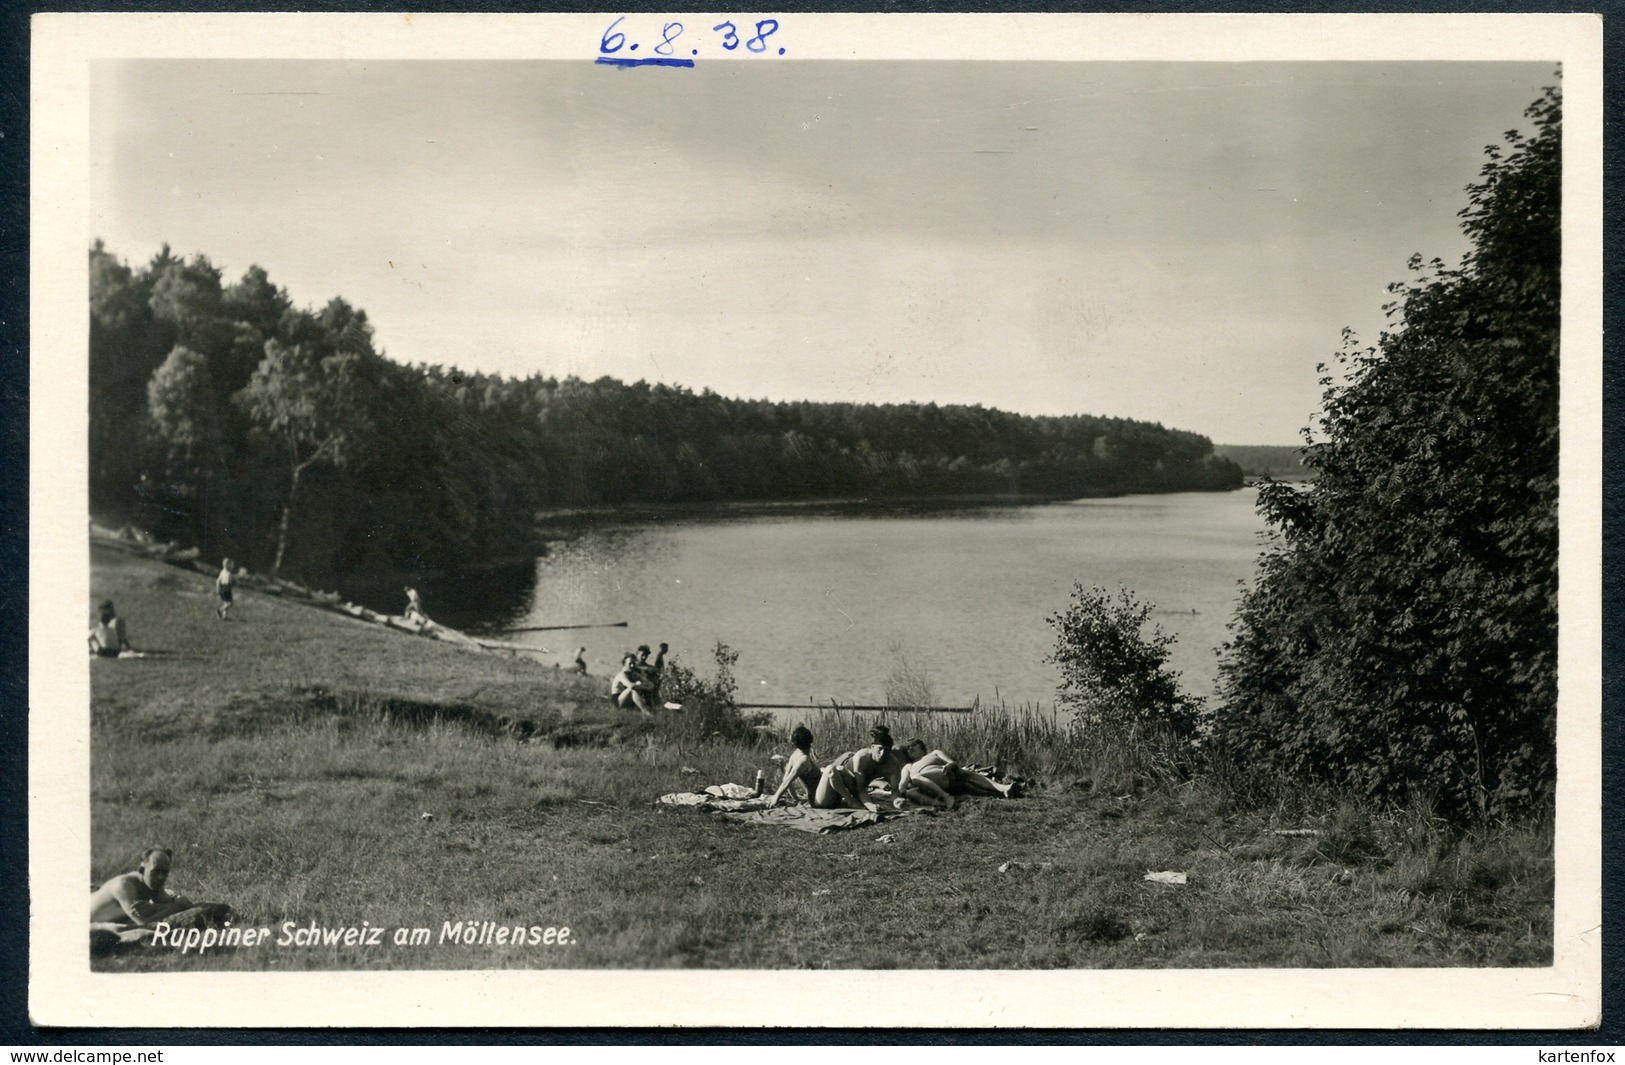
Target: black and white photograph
(748,519)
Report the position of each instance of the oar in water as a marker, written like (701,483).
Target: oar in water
(555,628)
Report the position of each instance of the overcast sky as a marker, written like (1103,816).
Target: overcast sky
(1170,242)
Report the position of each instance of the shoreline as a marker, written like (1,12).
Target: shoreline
(580,517)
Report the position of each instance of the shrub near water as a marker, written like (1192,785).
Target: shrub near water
(1113,673)
(710,711)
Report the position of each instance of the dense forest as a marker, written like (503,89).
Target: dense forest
(223,415)
(1401,637)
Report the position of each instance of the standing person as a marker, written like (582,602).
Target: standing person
(107,638)
(222,587)
(581,661)
(414,606)
(802,766)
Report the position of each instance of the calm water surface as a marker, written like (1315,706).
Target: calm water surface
(821,606)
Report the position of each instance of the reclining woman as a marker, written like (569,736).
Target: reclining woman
(933,777)
(846,780)
(802,766)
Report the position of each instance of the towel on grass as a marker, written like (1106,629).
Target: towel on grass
(704,801)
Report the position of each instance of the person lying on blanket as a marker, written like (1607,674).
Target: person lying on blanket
(802,766)
(130,907)
(846,780)
(933,777)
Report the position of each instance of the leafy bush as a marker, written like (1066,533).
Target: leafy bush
(709,709)
(1113,674)
(1401,635)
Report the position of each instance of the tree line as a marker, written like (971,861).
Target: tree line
(225,416)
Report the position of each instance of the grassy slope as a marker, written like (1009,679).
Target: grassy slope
(287,755)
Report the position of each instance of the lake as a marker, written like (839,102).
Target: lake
(825,605)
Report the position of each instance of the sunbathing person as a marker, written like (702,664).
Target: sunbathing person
(107,637)
(130,907)
(802,766)
(626,689)
(937,777)
(846,780)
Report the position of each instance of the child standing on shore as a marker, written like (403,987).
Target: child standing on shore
(414,606)
(222,588)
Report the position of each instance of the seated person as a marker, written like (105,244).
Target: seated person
(933,777)
(129,907)
(649,673)
(846,780)
(107,637)
(802,766)
(627,688)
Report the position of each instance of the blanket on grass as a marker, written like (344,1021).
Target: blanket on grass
(755,811)
(818,822)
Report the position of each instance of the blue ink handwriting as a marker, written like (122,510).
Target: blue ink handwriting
(613,43)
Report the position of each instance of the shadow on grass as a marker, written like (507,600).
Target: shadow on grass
(250,715)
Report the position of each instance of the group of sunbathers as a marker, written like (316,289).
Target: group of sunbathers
(637,685)
(913,772)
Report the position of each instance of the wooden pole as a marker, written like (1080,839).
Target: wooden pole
(838,707)
(556,628)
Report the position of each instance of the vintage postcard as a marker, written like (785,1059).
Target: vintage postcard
(756,519)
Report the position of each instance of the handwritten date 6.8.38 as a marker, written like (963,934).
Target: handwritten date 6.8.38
(679,46)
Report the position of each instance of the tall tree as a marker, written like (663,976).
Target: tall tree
(185,417)
(1402,634)
(311,408)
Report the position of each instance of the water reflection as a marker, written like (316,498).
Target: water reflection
(819,603)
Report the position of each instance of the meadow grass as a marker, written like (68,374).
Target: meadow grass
(289,758)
